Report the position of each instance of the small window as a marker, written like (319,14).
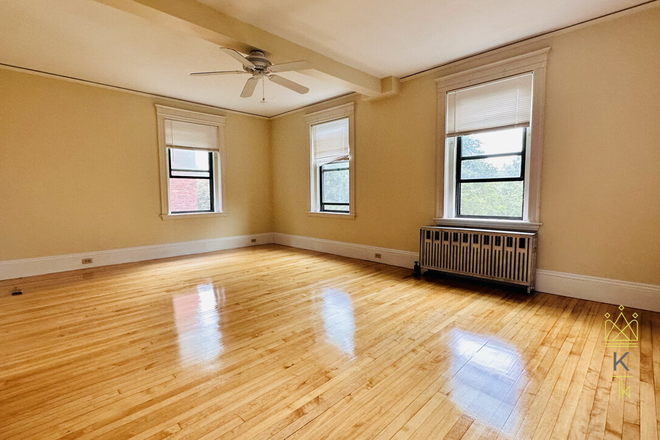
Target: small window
(191,148)
(332,163)
(191,181)
(334,187)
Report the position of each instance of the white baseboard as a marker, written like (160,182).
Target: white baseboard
(61,263)
(630,294)
(637,295)
(393,257)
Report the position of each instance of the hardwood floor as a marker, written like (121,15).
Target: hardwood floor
(276,343)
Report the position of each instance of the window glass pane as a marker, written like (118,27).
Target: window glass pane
(493,167)
(201,174)
(492,142)
(190,195)
(189,160)
(492,199)
(335,184)
(342,208)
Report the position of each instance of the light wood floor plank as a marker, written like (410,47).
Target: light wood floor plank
(275,343)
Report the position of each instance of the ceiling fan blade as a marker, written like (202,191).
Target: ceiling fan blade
(295,65)
(217,72)
(250,85)
(237,56)
(289,84)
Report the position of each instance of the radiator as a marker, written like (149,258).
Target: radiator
(502,256)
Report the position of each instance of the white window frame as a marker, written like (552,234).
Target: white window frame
(332,114)
(534,62)
(164,113)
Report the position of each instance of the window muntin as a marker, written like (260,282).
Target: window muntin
(191,181)
(490,174)
(334,187)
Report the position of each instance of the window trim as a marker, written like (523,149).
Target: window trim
(534,62)
(218,159)
(313,195)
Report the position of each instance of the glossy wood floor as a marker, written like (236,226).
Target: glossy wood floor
(275,343)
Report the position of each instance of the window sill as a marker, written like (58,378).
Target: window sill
(516,225)
(331,215)
(200,215)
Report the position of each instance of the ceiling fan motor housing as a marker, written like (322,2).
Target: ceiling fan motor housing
(261,63)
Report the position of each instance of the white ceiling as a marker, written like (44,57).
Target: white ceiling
(400,37)
(88,40)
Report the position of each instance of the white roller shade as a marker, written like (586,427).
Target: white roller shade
(499,104)
(189,135)
(330,141)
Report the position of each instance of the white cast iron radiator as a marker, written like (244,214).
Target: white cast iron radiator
(503,256)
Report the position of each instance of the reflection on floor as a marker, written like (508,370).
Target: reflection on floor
(198,325)
(484,378)
(338,319)
(275,343)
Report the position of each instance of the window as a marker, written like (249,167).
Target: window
(191,181)
(332,162)
(491,117)
(334,186)
(191,147)
(490,174)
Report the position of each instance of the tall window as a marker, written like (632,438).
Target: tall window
(331,155)
(492,144)
(487,125)
(191,148)
(331,161)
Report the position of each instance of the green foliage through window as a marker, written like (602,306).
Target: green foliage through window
(335,189)
(493,184)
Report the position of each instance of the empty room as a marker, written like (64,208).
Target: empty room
(225,219)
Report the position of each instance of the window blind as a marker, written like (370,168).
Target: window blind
(330,141)
(189,135)
(505,103)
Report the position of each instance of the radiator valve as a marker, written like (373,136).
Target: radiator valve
(417,271)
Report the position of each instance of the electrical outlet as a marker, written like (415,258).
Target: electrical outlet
(87,261)
(378,256)
(254,240)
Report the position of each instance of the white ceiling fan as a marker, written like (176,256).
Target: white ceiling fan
(260,67)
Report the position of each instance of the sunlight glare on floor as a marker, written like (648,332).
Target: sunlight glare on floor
(484,379)
(198,325)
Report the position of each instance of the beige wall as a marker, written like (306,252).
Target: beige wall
(600,203)
(79,166)
(79,171)
(395,172)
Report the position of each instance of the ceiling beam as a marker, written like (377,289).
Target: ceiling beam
(212,25)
